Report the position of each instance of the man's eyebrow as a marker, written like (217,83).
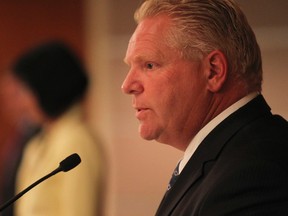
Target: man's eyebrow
(137,58)
(145,56)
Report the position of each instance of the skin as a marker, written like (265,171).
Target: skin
(174,98)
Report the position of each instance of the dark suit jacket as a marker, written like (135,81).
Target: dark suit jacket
(240,168)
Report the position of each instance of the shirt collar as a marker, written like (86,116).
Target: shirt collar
(199,137)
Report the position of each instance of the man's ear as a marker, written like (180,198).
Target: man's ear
(216,70)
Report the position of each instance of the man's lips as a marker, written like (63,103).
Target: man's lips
(140,112)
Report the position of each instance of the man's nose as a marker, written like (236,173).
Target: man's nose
(132,85)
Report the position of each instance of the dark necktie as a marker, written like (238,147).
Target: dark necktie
(174,177)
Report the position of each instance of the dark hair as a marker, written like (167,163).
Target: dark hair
(54,74)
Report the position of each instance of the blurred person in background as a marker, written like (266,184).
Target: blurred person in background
(195,77)
(51,86)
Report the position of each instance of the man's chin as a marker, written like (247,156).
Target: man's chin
(146,137)
(146,133)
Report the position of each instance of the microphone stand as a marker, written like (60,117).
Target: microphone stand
(67,164)
(9,202)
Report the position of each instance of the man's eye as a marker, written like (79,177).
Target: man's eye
(149,65)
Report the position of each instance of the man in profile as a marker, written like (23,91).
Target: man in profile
(195,78)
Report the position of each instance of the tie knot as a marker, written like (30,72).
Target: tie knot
(176,171)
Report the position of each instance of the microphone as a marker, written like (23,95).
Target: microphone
(65,165)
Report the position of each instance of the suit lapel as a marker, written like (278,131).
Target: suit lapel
(210,149)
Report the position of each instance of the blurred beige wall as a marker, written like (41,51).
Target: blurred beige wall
(139,170)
